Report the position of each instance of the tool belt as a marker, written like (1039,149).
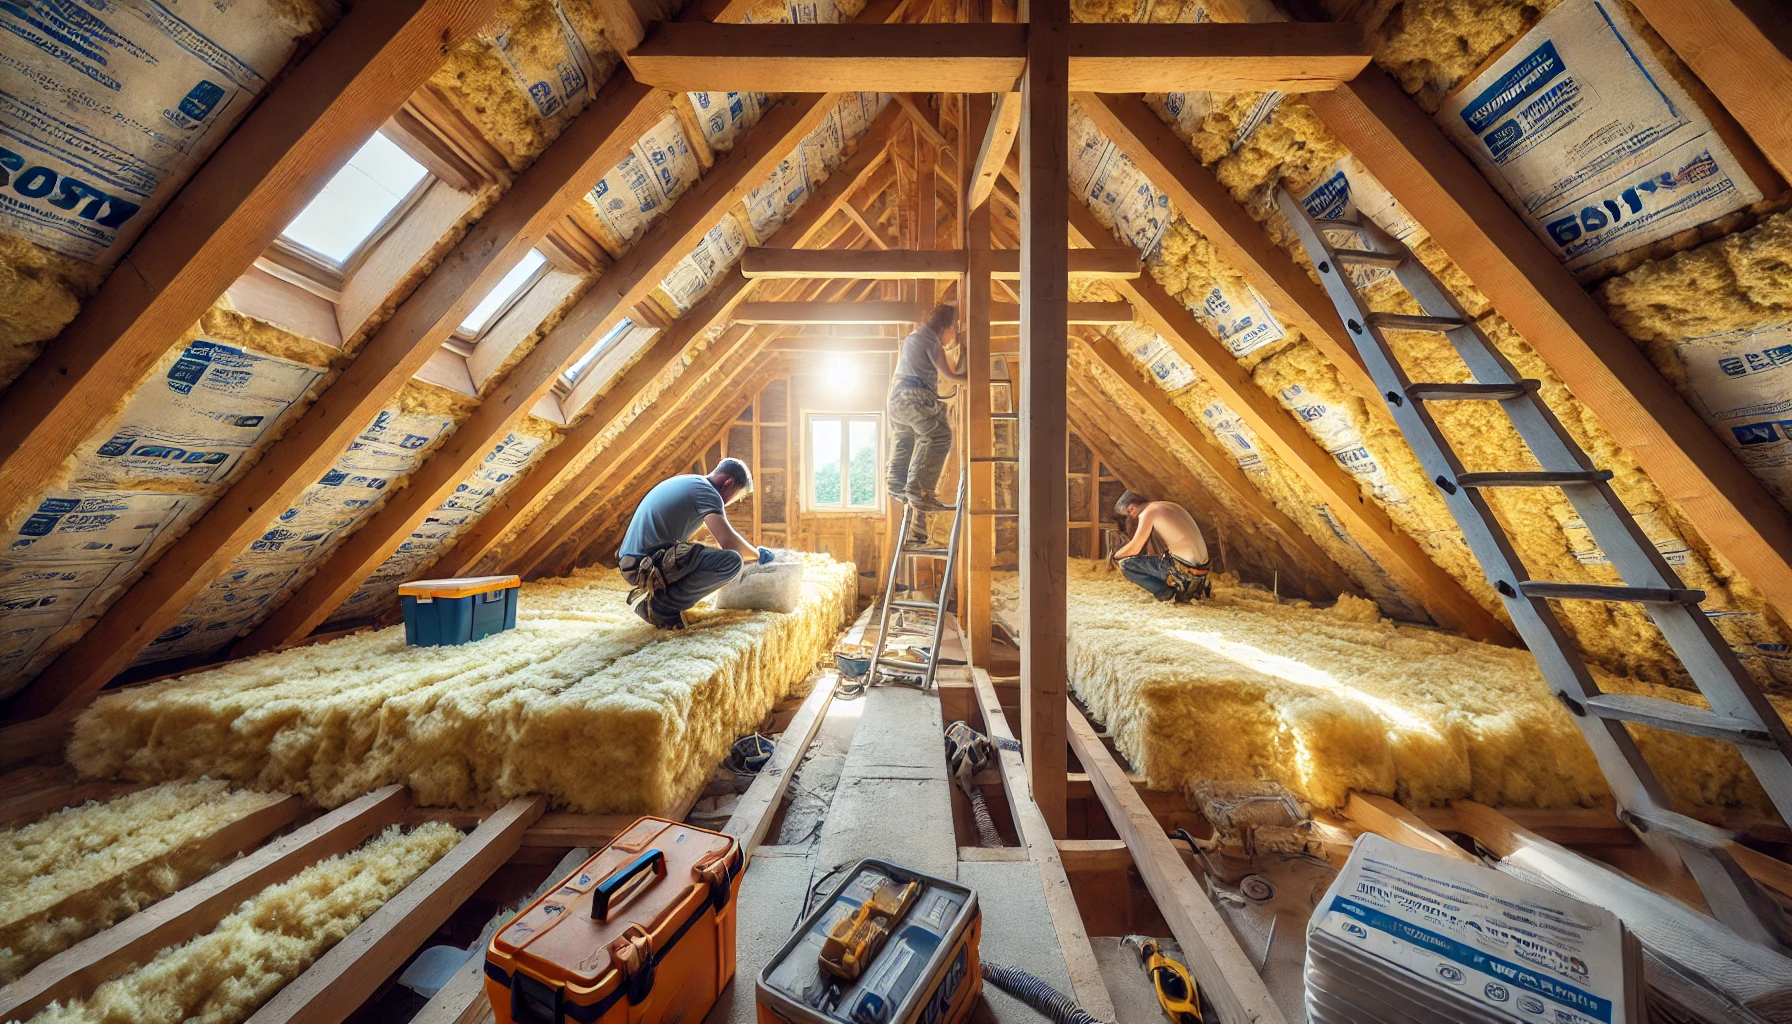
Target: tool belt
(651,574)
(1190,578)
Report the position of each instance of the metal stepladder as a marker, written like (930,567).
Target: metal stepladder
(895,613)
(1740,713)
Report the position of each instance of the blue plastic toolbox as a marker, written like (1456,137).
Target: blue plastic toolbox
(442,613)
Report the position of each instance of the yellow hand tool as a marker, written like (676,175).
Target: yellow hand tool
(1176,991)
(854,940)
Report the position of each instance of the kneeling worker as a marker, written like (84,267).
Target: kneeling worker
(1167,554)
(921,433)
(657,556)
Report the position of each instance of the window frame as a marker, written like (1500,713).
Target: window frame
(879,499)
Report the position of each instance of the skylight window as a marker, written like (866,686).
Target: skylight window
(577,368)
(356,200)
(505,290)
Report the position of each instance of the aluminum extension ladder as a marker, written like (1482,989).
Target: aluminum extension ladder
(1739,713)
(895,614)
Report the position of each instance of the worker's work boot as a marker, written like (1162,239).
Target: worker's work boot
(653,618)
(1168,593)
(927,501)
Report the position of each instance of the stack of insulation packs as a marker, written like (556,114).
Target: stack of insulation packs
(1407,936)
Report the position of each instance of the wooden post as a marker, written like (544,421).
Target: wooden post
(1044,302)
(979,443)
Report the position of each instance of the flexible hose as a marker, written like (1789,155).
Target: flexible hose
(987,833)
(1037,994)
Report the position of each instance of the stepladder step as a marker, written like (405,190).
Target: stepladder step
(1409,322)
(1533,479)
(1606,592)
(1677,717)
(1430,392)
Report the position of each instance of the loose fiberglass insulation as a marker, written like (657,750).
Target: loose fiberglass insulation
(1326,701)
(223,976)
(581,702)
(84,869)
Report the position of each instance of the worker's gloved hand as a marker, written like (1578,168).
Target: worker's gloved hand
(765,556)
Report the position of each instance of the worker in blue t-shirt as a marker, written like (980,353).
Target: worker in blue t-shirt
(668,571)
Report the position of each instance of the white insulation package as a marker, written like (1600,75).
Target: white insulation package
(1591,141)
(1403,934)
(776,586)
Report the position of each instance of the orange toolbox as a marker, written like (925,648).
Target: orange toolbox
(642,932)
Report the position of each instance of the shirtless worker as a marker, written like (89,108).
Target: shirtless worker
(1167,554)
(669,573)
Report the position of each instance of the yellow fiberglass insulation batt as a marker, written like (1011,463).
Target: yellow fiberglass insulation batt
(223,976)
(1327,701)
(84,869)
(581,702)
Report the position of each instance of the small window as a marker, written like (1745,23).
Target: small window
(844,475)
(502,293)
(578,367)
(357,200)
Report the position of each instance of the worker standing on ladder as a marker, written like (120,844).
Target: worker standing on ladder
(920,428)
(668,572)
(1167,554)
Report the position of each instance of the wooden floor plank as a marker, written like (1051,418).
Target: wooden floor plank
(76,971)
(757,807)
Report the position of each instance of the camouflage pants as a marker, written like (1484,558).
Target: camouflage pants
(921,436)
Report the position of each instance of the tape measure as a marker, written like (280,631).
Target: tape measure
(1176,991)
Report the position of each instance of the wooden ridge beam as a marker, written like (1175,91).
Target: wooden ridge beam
(1242,243)
(796,312)
(1108,263)
(1440,594)
(1082,314)
(779,58)
(1733,55)
(1220,464)
(341,980)
(592,144)
(1219,964)
(627,282)
(234,206)
(546,477)
(76,971)
(1604,368)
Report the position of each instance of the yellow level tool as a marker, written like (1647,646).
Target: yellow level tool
(1176,991)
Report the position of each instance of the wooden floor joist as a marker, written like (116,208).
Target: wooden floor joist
(592,144)
(1129,58)
(623,285)
(754,812)
(1219,964)
(76,971)
(271,165)
(1441,595)
(1605,369)
(342,979)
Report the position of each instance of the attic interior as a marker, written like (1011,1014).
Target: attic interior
(1460,329)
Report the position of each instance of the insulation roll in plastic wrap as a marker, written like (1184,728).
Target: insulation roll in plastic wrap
(776,586)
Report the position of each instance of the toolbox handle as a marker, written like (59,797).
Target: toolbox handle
(605,893)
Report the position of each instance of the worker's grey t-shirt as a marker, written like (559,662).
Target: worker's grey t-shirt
(670,513)
(914,360)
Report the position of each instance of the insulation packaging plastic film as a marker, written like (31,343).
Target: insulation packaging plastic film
(1188,109)
(109,108)
(1170,370)
(776,586)
(647,181)
(1336,431)
(553,77)
(1742,385)
(1114,188)
(382,455)
(1406,934)
(198,420)
(719,249)
(496,474)
(1587,136)
(67,559)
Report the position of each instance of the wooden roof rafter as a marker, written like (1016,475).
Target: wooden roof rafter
(212,232)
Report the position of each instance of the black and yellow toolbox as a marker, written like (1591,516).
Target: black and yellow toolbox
(642,932)
(890,946)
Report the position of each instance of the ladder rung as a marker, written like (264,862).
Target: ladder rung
(1694,831)
(996,458)
(1010,512)
(1602,592)
(924,552)
(1676,717)
(1004,415)
(1369,258)
(1461,392)
(926,606)
(1405,322)
(1337,225)
(1529,479)
(908,666)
